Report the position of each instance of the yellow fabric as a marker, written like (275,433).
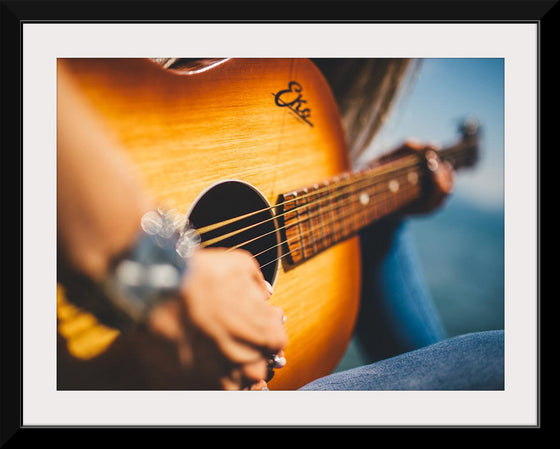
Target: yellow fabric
(85,336)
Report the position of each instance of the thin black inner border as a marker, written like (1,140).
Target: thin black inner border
(227,21)
(180,22)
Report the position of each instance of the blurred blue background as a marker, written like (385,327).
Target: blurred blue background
(461,246)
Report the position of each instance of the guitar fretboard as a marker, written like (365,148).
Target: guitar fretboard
(317,217)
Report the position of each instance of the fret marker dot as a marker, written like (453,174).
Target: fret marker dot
(393,185)
(412,177)
(364,198)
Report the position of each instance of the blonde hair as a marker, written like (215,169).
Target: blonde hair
(365,90)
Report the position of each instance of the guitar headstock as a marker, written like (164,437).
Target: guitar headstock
(466,152)
(470,131)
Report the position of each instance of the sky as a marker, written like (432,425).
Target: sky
(461,245)
(444,92)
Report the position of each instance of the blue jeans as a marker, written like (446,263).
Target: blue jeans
(466,362)
(401,332)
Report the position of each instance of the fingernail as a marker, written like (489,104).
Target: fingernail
(268,287)
(433,164)
(265,389)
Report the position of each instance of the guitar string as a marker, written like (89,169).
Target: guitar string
(348,188)
(371,216)
(316,213)
(340,192)
(302,248)
(328,201)
(445,154)
(313,230)
(336,179)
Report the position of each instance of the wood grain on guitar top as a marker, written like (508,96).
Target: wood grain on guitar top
(185,132)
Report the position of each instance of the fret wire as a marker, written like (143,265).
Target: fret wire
(296,199)
(410,188)
(379,198)
(337,200)
(339,187)
(351,218)
(444,154)
(344,206)
(317,197)
(345,197)
(303,255)
(375,178)
(310,223)
(329,206)
(307,219)
(364,216)
(284,255)
(313,223)
(299,234)
(297,208)
(323,193)
(356,206)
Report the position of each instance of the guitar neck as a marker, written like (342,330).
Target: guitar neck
(317,217)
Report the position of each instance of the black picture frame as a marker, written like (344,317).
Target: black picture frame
(15,13)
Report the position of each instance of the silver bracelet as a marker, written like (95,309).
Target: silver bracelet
(153,269)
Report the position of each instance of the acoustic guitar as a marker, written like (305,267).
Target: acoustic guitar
(254,153)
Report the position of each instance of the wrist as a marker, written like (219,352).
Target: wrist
(149,271)
(152,269)
(89,240)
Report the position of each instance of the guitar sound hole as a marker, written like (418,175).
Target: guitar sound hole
(255,233)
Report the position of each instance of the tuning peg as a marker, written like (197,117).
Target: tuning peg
(470,130)
(470,127)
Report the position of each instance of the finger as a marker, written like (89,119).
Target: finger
(443,178)
(247,377)
(272,336)
(233,382)
(266,288)
(255,272)
(260,386)
(405,148)
(442,187)
(219,344)
(240,352)
(417,146)
(409,146)
(253,372)
(450,177)
(245,343)
(258,323)
(412,144)
(247,259)
(246,331)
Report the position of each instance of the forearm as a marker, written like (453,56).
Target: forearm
(99,201)
(213,331)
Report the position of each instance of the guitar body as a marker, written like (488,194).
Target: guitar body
(186,131)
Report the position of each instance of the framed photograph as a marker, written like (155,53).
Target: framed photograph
(472,77)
